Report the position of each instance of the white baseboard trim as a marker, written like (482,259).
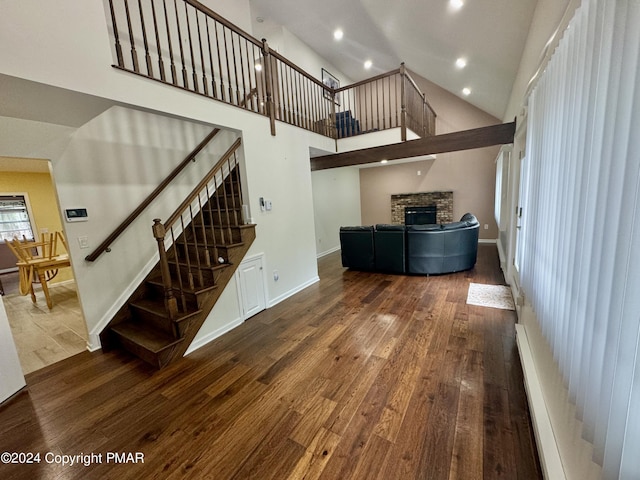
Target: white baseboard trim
(293,291)
(491,241)
(94,334)
(331,250)
(548,451)
(210,337)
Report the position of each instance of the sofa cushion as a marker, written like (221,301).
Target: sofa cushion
(424,228)
(389,241)
(389,227)
(357,247)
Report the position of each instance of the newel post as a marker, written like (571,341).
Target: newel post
(403,103)
(266,54)
(170,301)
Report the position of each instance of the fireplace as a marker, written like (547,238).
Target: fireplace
(441,201)
(420,215)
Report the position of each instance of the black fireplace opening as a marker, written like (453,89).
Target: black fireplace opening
(420,215)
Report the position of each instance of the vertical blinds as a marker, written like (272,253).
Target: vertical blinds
(14,218)
(580,239)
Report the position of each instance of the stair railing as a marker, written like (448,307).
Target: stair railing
(205,220)
(188,45)
(105,246)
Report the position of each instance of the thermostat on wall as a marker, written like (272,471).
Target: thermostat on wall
(76,214)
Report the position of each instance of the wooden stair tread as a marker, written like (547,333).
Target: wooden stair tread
(185,288)
(157,308)
(148,338)
(217,245)
(217,266)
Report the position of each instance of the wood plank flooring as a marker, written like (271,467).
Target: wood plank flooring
(361,376)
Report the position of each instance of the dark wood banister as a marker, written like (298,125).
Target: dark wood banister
(198,188)
(104,246)
(422,94)
(367,80)
(206,10)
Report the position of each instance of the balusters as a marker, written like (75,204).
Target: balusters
(157,35)
(173,65)
(147,57)
(280,89)
(174,247)
(196,247)
(205,82)
(222,89)
(169,299)
(213,75)
(185,81)
(219,209)
(193,62)
(116,35)
(134,55)
(216,254)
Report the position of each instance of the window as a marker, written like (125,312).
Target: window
(14,218)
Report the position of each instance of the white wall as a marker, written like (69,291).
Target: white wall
(294,49)
(277,168)
(11,378)
(109,167)
(547,16)
(336,203)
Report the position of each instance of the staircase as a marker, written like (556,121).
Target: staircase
(205,239)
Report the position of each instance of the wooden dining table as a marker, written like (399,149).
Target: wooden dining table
(39,262)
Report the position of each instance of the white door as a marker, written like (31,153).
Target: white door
(252,291)
(11,377)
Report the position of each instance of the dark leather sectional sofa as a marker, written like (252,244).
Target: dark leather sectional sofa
(414,249)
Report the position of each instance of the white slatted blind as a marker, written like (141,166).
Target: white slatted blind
(580,238)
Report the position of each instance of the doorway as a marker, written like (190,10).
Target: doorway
(42,336)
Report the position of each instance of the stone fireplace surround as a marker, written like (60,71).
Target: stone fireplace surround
(442,200)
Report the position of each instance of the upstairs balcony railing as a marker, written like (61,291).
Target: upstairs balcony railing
(185,44)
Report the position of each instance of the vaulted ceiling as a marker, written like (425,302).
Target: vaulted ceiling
(428,35)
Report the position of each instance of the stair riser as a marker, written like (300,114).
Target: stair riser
(157,360)
(156,321)
(193,301)
(201,278)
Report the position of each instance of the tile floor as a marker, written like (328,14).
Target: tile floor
(45,336)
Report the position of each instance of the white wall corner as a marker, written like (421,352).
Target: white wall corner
(211,336)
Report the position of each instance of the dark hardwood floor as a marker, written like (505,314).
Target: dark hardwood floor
(363,376)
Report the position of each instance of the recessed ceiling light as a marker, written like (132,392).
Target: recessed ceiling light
(338,34)
(466,91)
(456,4)
(384,161)
(461,62)
(367,64)
(259,19)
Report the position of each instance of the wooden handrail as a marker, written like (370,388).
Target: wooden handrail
(198,188)
(367,80)
(104,246)
(301,71)
(424,97)
(207,11)
(220,60)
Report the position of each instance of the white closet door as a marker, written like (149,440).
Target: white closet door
(252,287)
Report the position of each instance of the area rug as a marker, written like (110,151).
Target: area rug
(494,296)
